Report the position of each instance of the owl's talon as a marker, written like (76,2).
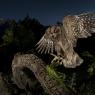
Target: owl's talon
(57,59)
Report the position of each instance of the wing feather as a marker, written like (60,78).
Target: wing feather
(47,47)
(86,24)
(49,40)
(52,47)
(43,49)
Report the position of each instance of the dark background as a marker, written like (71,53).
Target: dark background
(46,11)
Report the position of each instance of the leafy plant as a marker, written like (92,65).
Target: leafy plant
(8,37)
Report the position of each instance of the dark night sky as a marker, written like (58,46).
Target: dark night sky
(46,11)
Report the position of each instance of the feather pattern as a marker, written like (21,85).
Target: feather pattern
(47,43)
(63,38)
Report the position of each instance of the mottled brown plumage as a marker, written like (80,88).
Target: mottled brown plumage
(63,38)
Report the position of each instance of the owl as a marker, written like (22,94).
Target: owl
(62,38)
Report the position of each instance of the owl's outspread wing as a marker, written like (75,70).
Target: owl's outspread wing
(49,42)
(79,26)
(63,38)
(86,24)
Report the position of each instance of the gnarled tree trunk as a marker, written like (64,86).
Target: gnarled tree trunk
(36,65)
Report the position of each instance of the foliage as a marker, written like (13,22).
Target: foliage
(91,66)
(56,75)
(8,37)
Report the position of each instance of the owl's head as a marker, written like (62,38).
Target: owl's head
(53,32)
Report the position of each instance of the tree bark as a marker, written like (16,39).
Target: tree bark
(36,65)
